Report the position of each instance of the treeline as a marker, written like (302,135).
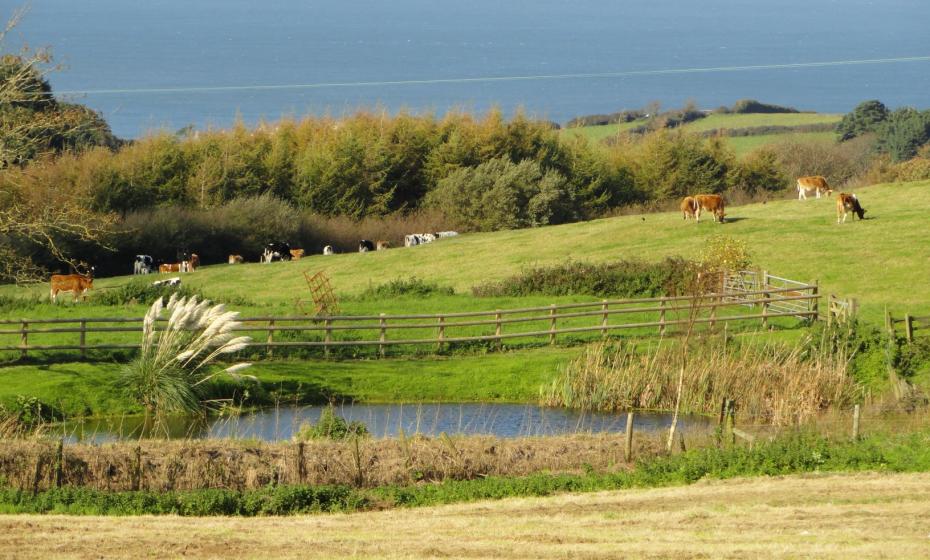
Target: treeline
(900,133)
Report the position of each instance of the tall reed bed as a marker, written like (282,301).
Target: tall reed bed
(771,383)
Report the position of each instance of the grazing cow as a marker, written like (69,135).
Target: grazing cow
(194,262)
(279,251)
(382,245)
(441,234)
(167,268)
(411,240)
(420,238)
(297,254)
(815,183)
(77,284)
(712,203)
(235,259)
(176,281)
(365,245)
(846,203)
(143,265)
(328,250)
(688,207)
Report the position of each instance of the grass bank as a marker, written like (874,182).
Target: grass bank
(790,454)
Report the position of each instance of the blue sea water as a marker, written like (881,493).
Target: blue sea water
(173,63)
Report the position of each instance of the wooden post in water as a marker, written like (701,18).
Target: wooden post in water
(83,339)
(855,426)
(604,318)
(552,323)
(269,349)
(24,339)
(382,322)
(628,449)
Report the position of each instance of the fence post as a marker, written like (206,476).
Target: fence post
(855,426)
(662,316)
(24,338)
(889,322)
(814,304)
(328,335)
(268,349)
(908,327)
(59,462)
(853,307)
(604,319)
(713,312)
(442,332)
(552,323)
(765,309)
(83,339)
(497,329)
(382,322)
(628,449)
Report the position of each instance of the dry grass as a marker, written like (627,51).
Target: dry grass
(772,383)
(185,465)
(814,516)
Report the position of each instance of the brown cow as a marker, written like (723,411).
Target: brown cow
(194,262)
(77,284)
(846,203)
(382,245)
(688,207)
(235,259)
(813,183)
(297,254)
(168,268)
(712,203)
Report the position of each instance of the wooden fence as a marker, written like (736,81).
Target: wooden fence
(911,324)
(646,315)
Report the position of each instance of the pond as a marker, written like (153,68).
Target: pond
(386,420)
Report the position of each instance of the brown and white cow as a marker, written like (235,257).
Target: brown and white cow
(713,203)
(297,254)
(77,284)
(814,183)
(194,262)
(688,207)
(382,245)
(846,203)
(168,268)
(235,259)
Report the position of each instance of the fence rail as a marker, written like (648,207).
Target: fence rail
(911,324)
(651,315)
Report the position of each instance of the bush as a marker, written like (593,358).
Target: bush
(839,163)
(412,286)
(903,133)
(501,194)
(864,119)
(670,165)
(331,426)
(615,279)
(139,291)
(753,106)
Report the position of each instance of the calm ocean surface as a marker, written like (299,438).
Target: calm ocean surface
(171,63)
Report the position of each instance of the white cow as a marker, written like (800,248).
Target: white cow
(328,250)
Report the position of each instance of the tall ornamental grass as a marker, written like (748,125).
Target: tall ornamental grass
(171,372)
(772,384)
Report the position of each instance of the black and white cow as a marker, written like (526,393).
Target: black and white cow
(328,250)
(278,251)
(365,245)
(144,264)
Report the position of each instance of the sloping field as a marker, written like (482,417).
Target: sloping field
(883,260)
(818,516)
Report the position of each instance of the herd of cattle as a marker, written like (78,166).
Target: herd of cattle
(692,206)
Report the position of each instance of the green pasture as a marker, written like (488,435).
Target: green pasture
(742,145)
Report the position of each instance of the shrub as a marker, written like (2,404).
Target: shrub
(331,426)
(670,164)
(903,133)
(139,291)
(722,252)
(412,286)
(753,106)
(501,194)
(839,163)
(864,119)
(618,279)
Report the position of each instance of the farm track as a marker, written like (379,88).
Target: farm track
(814,516)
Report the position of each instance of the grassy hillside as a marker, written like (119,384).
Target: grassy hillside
(882,260)
(730,121)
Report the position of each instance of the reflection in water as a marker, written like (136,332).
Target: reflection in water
(382,420)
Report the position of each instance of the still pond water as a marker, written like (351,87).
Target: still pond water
(387,420)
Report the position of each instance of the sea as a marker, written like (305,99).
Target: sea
(169,64)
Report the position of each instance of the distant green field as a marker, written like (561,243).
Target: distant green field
(741,145)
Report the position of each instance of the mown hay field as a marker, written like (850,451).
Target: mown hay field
(810,516)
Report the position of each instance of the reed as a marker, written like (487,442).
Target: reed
(771,383)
